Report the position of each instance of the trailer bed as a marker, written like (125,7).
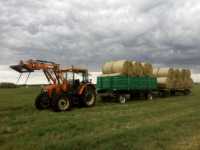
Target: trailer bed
(125,83)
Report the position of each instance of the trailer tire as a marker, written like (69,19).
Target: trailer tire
(148,96)
(122,99)
(172,93)
(42,101)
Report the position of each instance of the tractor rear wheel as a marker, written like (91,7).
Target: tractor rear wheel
(42,101)
(89,98)
(61,103)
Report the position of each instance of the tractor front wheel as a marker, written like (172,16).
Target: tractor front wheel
(61,103)
(42,101)
(89,98)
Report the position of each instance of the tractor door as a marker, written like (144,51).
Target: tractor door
(74,81)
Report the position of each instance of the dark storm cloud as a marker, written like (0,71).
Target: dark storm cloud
(90,32)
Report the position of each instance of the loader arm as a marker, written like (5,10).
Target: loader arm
(50,69)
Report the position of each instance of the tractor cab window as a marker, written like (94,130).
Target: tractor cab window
(70,76)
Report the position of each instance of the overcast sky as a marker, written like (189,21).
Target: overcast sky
(89,32)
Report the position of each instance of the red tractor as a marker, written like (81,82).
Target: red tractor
(67,87)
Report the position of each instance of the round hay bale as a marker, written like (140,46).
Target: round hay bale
(165,72)
(122,66)
(130,69)
(176,84)
(184,74)
(147,69)
(190,83)
(135,68)
(155,72)
(183,78)
(107,67)
(177,78)
(185,84)
(138,69)
(181,84)
(188,74)
(177,74)
(165,83)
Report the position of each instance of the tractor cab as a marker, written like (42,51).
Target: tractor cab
(75,76)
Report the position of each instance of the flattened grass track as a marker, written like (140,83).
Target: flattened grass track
(171,123)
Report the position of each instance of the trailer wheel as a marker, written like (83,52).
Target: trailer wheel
(42,101)
(61,103)
(148,96)
(122,99)
(89,98)
(173,93)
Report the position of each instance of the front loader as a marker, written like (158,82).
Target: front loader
(67,87)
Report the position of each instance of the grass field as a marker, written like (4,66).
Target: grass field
(163,123)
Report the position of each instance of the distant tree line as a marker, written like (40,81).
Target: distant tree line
(7,85)
(13,85)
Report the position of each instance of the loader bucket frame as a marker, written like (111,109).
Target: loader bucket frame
(21,68)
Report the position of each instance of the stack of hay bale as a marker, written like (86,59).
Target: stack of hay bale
(169,78)
(165,77)
(125,67)
(147,69)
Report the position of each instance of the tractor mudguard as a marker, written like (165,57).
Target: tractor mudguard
(83,87)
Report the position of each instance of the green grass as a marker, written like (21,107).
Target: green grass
(163,123)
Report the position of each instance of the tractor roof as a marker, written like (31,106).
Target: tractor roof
(75,70)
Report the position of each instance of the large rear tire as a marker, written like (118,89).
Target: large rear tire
(61,103)
(89,98)
(42,101)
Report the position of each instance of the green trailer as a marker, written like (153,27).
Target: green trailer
(123,87)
